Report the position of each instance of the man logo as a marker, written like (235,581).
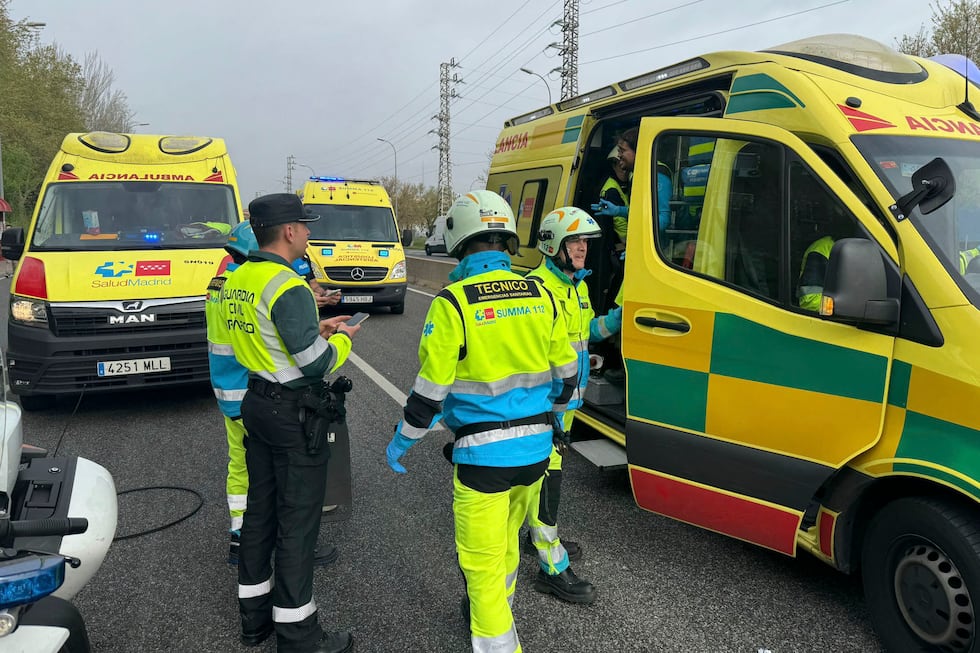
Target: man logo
(357,274)
(132,307)
(132,319)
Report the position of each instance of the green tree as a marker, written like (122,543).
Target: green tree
(46,95)
(955,30)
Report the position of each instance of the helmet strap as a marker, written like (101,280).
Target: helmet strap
(563,259)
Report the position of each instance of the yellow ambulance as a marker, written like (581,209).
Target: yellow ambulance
(108,292)
(355,245)
(831,169)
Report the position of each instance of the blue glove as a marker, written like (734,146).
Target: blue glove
(396,449)
(614,320)
(605,208)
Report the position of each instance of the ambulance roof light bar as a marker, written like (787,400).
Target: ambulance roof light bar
(662,74)
(344,180)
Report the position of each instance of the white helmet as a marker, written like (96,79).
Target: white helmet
(565,222)
(479,212)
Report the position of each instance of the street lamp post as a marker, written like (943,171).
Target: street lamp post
(303,165)
(546,85)
(395,152)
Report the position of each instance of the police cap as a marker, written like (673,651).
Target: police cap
(278,208)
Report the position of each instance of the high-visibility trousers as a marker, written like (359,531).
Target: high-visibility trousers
(487,527)
(542,517)
(236,487)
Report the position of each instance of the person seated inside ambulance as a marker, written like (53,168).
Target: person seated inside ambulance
(627,157)
(812,272)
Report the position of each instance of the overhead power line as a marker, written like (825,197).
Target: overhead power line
(636,20)
(724,31)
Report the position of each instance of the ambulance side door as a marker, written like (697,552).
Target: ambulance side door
(741,403)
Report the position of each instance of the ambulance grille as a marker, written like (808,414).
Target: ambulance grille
(355,273)
(69,322)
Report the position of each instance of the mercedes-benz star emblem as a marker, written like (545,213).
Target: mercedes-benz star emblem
(357,274)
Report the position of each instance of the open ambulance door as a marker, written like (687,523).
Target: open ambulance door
(740,403)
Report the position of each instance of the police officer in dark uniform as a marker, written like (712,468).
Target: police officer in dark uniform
(273,323)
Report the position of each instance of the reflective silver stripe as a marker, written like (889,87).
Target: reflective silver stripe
(220,350)
(311,353)
(287,375)
(559,408)
(229,395)
(268,376)
(497,388)
(284,366)
(550,549)
(567,370)
(580,345)
(603,330)
(252,591)
(506,643)
(293,615)
(413,432)
(237,501)
(500,435)
(511,581)
(811,290)
(236,523)
(430,390)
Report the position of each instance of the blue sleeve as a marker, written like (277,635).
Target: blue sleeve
(664,191)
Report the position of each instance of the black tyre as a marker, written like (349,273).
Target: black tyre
(428,251)
(921,574)
(33,403)
(398,309)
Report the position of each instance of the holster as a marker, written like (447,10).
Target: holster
(319,408)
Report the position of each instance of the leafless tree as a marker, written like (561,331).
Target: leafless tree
(105,108)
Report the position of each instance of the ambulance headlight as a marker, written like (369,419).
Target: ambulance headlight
(8,621)
(30,312)
(398,271)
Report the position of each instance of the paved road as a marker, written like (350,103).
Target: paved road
(663,585)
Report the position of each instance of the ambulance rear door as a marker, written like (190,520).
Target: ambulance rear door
(741,404)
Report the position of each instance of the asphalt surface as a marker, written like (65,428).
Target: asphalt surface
(662,585)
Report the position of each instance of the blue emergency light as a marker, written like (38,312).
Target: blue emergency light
(26,580)
(326,251)
(383,253)
(337,179)
(153,237)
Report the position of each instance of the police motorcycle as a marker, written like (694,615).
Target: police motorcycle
(57,520)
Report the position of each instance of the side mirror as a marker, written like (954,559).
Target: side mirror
(407,237)
(12,243)
(932,186)
(856,286)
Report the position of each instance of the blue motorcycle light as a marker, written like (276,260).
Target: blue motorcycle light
(26,580)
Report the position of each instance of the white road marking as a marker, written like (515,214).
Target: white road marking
(422,293)
(376,376)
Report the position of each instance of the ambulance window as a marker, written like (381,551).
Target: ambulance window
(529,209)
(765,221)
(732,216)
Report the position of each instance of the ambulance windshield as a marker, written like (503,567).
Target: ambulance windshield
(114,215)
(953,230)
(350,222)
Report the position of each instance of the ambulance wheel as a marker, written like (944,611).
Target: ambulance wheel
(33,403)
(398,309)
(428,251)
(921,572)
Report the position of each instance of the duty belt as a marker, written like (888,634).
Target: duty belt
(276,390)
(480,427)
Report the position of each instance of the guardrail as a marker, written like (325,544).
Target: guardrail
(431,273)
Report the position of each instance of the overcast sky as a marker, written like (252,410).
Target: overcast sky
(322,80)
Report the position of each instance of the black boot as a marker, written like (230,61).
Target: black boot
(325,555)
(334,642)
(464,609)
(566,586)
(253,634)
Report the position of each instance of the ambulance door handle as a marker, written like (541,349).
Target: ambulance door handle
(682,327)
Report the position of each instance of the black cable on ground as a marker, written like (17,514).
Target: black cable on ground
(200,504)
